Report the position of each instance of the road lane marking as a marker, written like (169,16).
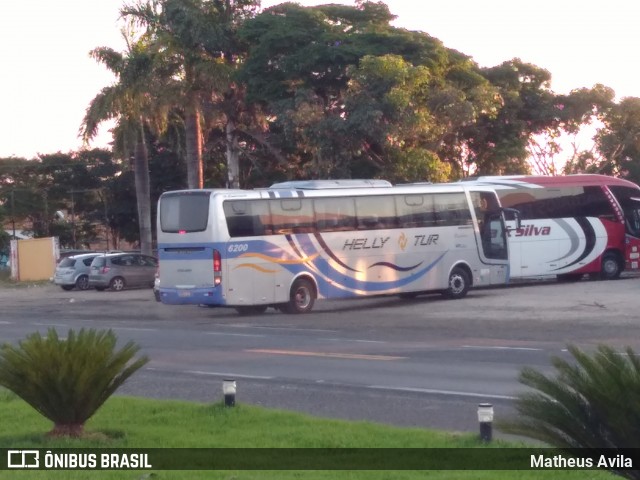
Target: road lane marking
(134,329)
(2,322)
(51,324)
(442,392)
(236,334)
(484,347)
(295,329)
(229,375)
(346,356)
(350,340)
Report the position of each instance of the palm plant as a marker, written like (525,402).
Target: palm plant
(593,402)
(198,38)
(68,380)
(136,104)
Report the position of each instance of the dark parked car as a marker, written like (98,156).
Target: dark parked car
(122,270)
(73,271)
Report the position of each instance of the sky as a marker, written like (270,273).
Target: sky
(48,78)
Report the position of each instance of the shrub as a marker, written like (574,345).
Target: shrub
(68,380)
(593,402)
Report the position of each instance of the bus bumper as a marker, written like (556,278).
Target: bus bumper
(192,296)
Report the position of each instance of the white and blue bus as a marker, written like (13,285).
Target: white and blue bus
(295,242)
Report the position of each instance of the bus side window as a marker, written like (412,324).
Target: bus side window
(292,215)
(376,212)
(334,214)
(415,211)
(245,218)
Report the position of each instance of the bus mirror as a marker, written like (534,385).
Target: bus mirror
(512,214)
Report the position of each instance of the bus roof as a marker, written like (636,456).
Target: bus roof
(576,180)
(325,184)
(405,189)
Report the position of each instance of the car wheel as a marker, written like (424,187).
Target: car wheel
(301,297)
(117,284)
(82,283)
(66,287)
(458,284)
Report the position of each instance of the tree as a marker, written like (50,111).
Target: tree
(497,142)
(346,94)
(198,40)
(137,105)
(68,380)
(573,115)
(618,142)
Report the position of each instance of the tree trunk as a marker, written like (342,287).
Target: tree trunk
(233,156)
(74,430)
(143,196)
(195,178)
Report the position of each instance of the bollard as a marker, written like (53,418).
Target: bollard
(485,419)
(229,392)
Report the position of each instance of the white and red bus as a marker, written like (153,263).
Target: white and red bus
(571,225)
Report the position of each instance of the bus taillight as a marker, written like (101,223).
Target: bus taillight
(217,268)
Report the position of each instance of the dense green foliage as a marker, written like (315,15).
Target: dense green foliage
(67,379)
(592,402)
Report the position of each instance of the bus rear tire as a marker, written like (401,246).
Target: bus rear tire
(610,268)
(251,309)
(301,298)
(459,284)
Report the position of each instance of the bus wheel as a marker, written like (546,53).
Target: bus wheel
(251,309)
(610,269)
(458,284)
(301,298)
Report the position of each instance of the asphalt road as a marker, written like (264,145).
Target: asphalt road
(427,362)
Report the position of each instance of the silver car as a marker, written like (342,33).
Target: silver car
(122,270)
(73,272)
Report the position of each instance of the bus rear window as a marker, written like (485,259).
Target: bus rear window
(184,212)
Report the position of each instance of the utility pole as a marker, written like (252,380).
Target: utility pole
(73,219)
(13,214)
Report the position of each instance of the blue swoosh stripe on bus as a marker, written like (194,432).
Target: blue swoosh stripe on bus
(368,286)
(395,267)
(329,252)
(293,245)
(309,248)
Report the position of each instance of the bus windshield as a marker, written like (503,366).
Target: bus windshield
(629,199)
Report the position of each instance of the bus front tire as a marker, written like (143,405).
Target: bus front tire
(610,269)
(301,298)
(251,309)
(458,284)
